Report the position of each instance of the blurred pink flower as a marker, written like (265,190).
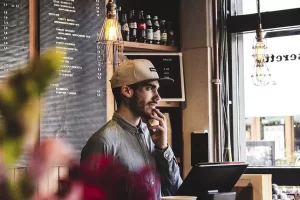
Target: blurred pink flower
(107,179)
(97,178)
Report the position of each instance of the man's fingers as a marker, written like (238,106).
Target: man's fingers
(159,114)
(155,129)
(159,117)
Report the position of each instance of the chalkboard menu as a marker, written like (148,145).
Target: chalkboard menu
(14,39)
(167,65)
(75,105)
(14,35)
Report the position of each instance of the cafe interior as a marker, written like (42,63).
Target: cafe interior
(234,91)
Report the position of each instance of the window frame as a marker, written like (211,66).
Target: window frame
(237,24)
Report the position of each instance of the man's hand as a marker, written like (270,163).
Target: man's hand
(159,132)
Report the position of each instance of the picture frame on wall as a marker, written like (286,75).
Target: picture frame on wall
(260,153)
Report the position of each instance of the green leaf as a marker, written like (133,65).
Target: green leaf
(11,150)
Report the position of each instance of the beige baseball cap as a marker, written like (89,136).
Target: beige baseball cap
(135,71)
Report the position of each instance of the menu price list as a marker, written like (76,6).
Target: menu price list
(11,59)
(14,36)
(14,41)
(14,20)
(71,24)
(75,105)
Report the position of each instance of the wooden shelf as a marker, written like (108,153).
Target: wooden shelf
(168,104)
(135,46)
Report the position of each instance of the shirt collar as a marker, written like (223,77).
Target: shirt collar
(128,126)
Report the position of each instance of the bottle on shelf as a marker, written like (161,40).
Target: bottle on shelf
(156,31)
(141,30)
(119,13)
(124,27)
(163,32)
(132,26)
(149,30)
(118,16)
(171,35)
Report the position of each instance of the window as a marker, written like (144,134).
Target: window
(270,110)
(266,119)
(244,7)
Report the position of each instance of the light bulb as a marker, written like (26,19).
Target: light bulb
(109,41)
(259,51)
(111,28)
(261,74)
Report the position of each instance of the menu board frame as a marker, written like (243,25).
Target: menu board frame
(145,55)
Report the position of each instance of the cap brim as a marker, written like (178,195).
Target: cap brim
(165,81)
(162,81)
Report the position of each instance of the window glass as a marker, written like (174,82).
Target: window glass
(272,112)
(245,7)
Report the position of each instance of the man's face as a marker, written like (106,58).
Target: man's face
(145,98)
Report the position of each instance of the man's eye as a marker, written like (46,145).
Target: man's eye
(148,88)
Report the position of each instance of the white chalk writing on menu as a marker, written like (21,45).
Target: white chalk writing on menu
(75,106)
(14,36)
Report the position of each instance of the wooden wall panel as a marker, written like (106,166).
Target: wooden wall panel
(289,135)
(49,183)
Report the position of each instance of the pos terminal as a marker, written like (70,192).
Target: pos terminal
(212,181)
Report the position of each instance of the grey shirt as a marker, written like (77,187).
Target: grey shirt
(133,147)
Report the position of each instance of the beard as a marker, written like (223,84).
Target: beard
(140,108)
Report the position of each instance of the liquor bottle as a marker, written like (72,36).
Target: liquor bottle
(156,31)
(149,30)
(163,32)
(171,35)
(124,27)
(141,31)
(132,26)
(118,16)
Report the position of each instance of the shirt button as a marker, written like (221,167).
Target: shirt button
(152,183)
(141,141)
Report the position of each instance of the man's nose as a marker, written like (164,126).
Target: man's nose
(157,96)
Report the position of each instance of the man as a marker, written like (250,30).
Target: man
(129,136)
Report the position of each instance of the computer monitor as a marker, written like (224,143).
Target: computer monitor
(206,177)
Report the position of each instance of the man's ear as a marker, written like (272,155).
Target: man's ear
(127,91)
